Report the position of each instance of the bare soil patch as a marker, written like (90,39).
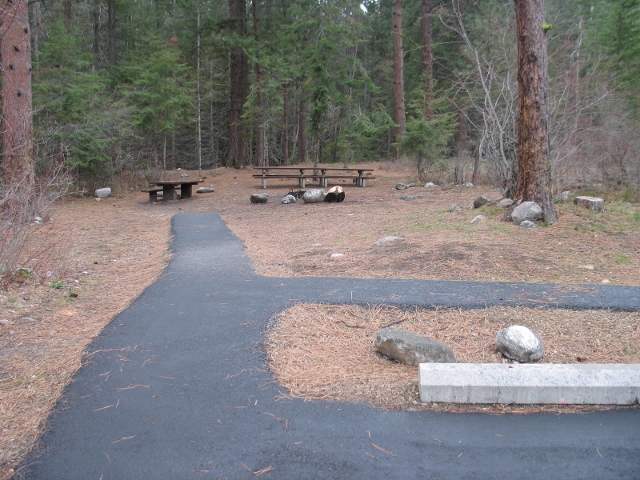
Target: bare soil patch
(113,249)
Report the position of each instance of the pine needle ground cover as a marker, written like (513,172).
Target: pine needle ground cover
(114,248)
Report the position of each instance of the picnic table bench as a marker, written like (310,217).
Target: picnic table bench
(322,174)
(169,187)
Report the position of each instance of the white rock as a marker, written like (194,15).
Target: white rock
(103,192)
(430,184)
(337,255)
(478,219)
(388,239)
(520,344)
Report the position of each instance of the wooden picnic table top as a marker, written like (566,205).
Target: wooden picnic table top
(182,181)
(319,167)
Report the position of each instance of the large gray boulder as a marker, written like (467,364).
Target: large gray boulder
(520,344)
(259,198)
(526,211)
(314,196)
(412,349)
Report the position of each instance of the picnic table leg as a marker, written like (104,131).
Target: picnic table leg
(153,196)
(264,182)
(185,190)
(324,182)
(302,182)
(168,193)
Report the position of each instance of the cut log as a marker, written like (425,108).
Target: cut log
(592,203)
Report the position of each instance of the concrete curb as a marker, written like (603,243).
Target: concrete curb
(590,384)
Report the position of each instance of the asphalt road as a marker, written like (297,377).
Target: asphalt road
(178,388)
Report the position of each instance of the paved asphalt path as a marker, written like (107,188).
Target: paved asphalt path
(178,388)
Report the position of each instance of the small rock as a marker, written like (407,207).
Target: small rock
(205,190)
(388,239)
(480,201)
(564,197)
(468,185)
(313,196)
(527,224)
(520,344)
(337,255)
(478,219)
(288,199)
(505,203)
(456,208)
(404,186)
(587,267)
(412,349)
(526,211)
(411,197)
(184,175)
(103,192)
(259,197)
(429,184)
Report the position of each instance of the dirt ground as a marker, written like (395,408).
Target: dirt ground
(111,250)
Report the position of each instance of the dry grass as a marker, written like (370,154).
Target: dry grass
(327,352)
(109,251)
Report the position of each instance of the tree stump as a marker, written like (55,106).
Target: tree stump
(592,203)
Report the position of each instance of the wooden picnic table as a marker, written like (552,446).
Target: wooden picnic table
(320,172)
(169,188)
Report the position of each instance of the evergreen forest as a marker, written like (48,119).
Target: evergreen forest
(147,85)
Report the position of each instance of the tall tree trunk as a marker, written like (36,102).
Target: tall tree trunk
(534,164)
(285,124)
(113,50)
(17,119)
(238,86)
(198,94)
(427,57)
(260,137)
(302,127)
(67,15)
(398,75)
(95,47)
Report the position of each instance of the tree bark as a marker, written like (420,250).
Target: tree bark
(427,56)
(398,75)
(17,118)
(302,127)
(67,15)
(95,47)
(534,164)
(285,124)
(238,86)
(111,34)
(261,159)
